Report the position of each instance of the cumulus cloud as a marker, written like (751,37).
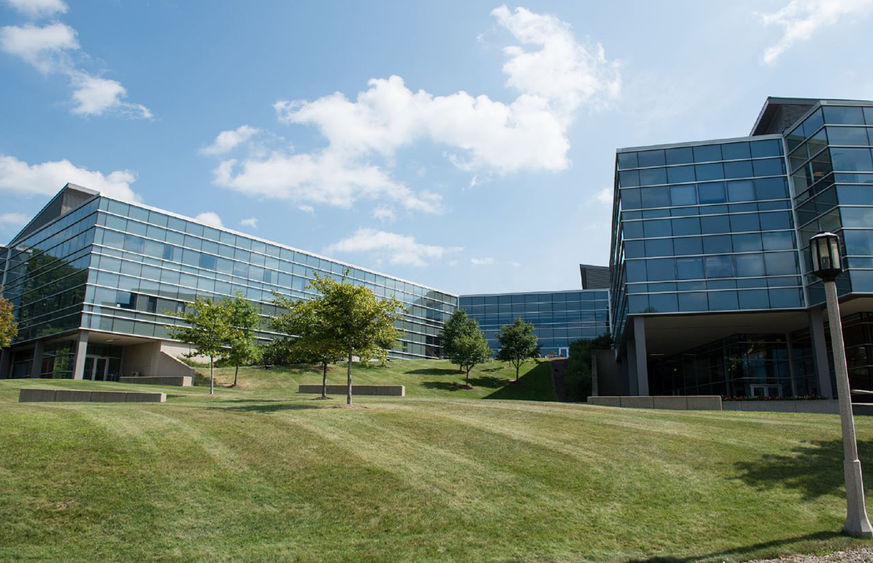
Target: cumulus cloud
(801,19)
(487,261)
(228,140)
(39,8)
(308,209)
(250,222)
(604,196)
(50,48)
(13,219)
(210,218)
(19,177)
(554,75)
(396,248)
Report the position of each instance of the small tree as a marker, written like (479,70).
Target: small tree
(8,326)
(208,331)
(470,349)
(517,343)
(307,340)
(242,347)
(356,319)
(452,329)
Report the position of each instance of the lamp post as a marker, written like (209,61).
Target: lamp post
(826,264)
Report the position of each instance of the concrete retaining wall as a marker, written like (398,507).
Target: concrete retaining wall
(179,380)
(667,402)
(385,390)
(828,406)
(70,395)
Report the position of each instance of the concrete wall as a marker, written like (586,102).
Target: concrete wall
(71,395)
(610,379)
(667,402)
(155,359)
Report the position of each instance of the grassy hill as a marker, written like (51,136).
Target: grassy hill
(262,473)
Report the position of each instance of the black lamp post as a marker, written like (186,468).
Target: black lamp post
(827,265)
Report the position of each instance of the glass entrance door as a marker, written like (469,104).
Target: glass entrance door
(96,368)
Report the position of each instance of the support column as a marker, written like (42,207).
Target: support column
(5,358)
(81,351)
(641,356)
(820,354)
(36,366)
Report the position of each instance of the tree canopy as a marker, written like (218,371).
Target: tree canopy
(463,343)
(352,316)
(517,343)
(207,331)
(8,326)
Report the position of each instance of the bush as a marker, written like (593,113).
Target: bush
(577,380)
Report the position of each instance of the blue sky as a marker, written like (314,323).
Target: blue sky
(464,145)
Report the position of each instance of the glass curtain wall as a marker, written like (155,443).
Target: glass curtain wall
(559,318)
(148,264)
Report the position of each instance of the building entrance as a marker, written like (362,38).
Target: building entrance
(96,368)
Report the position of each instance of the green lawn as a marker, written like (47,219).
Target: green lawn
(263,473)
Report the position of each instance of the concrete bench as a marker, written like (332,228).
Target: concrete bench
(384,390)
(178,380)
(71,395)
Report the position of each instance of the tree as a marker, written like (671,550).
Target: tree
(208,331)
(578,377)
(517,343)
(356,319)
(8,326)
(469,349)
(452,330)
(307,339)
(242,347)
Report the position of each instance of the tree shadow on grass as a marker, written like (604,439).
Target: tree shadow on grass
(813,468)
(535,385)
(744,550)
(269,408)
(486,382)
(435,371)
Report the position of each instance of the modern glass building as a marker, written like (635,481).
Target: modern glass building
(558,317)
(94,282)
(711,292)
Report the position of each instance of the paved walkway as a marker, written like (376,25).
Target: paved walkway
(850,556)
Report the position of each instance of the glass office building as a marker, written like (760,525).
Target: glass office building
(710,288)
(94,282)
(558,317)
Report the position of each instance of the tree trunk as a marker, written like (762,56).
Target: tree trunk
(517,365)
(211,377)
(349,380)
(235,375)
(324,379)
(467,379)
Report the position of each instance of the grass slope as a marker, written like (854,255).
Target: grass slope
(260,473)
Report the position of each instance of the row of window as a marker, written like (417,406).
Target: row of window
(752,299)
(730,266)
(702,172)
(832,115)
(708,225)
(519,298)
(712,244)
(738,150)
(714,285)
(706,193)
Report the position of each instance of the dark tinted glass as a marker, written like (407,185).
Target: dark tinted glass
(709,171)
(684,246)
(651,158)
(679,155)
(739,169)
(711,193)
(843,115)
(679,174)
(683,195)
(733,151)
(707,153)
(627,160)
(653,176)
(772,147)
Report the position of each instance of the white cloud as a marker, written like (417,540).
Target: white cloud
(49,49)
(47,178)
(95,96)
(250,222)
(228,140)
(323,178)
(398,249)
(210,218)
(42,47)
(487,261)
(801,19)
(39,8)
(553,73)
(13,219)
(306,209)
(604,196)
(384,214)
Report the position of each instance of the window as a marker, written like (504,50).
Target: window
(747,242)
(749,265)
(679,155)
(660,269)
(707,153)
(651,158)
(739,169)
(689,268)
(723,301)
(685,246)
(714,224)
(207,261)
(719,267)
(771,188)
(717,245)
(851,160)
(778,241)
(735,151)
(744,222)
(780,263)
(743,190)
(679,174)
(659,247)
(711,192)
(692,301)
(683,195)
(653,176)
(686,226)
(657,228)
(768,167)
(708,172)
(133,244)
(843,115)
(125,299)
(627,160)
(847,136)
(754,299)
(655,197)
(766,148)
